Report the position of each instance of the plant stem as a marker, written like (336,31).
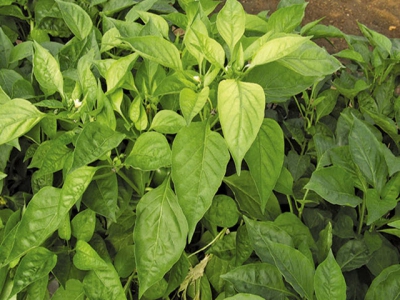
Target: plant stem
(362,214)
(219,235)
(129,182)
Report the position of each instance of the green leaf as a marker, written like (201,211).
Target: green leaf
(199,160)
(377,39)
(244,296)
(231,21)
(43,215)
(208,47)
(276,49)
(6,48)
(124,261)
(73,290)
(191,103)
(102,280)
(329,281)
(244,248)
(241,110)
(167,122)
(101,195)
(77,20)
(335,185)
(86,258)
(376,206)
(150,152)
(47,71)
(386,285)
(248,198)
(265,159)
(310,60)
(286,19)
(352,255)
(260,279)
(83,225)
(223,211)
(94,141)
(34,265)
(156,49)
(157,211)
(17,117)
(297,269)
(117,73)
(366,153)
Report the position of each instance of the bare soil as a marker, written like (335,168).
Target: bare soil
(382,16)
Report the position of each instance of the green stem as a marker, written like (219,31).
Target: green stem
(222,233)
(290,203)
(303,203)
(129,182)
(362,214)
(128,283)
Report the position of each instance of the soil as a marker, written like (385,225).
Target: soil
(382,16)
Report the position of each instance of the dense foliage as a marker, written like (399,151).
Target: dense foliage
(155,150)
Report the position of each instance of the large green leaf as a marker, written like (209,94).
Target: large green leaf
(150,152)
(329,281)
(43,215)
(231,21)
(94,141)
(297,269)
(310,60)
(77,20)
(260,279)
(367,155)
(35,264)
(17,117)
(335,185)
(265,159)
(157,49)
(160,235)
(277,48)
(47,71)
(386,285)
(241,110)
(199,160)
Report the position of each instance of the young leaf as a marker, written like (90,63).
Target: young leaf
(94,141)
(157,49)
(329,281)
(260,279)
(73,290)
(223,211)
(244,296)
(191,103)
(34,265)
(150,152)
(167,122)
(376,206)
(386,285)
(86,258)
(367,155)
(231,21)
(160,226)
(83,225)
(286,19)
(17,117)
(265,159)
(335,185)
(47,71)
(241,110)
(117,72)
(199,160)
